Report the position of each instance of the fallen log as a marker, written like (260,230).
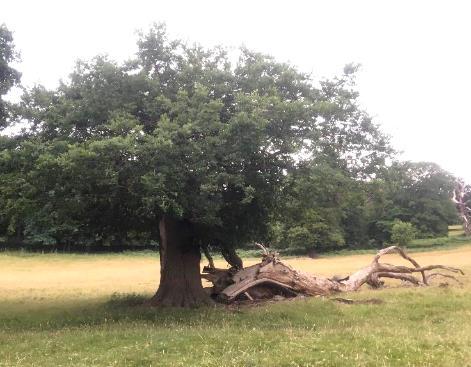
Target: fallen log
(271,278)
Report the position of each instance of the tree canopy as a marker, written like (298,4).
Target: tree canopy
(177,131)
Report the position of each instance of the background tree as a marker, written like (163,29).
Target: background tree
(327,206)
(411,192)
(9,76)
(322,210)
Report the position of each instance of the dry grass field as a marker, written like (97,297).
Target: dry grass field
(39,278)
(80,310)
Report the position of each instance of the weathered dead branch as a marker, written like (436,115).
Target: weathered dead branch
(271,278)
(460,196)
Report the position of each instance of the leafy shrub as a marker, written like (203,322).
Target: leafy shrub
(403,233)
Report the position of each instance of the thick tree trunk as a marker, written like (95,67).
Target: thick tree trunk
(180,281)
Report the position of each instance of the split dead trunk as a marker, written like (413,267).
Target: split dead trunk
(180,280)
(271,278)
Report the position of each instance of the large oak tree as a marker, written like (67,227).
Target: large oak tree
(177,145)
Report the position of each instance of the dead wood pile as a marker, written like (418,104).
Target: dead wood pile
(272,279)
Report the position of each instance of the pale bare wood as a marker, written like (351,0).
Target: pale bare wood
(248,296)
(404,277)
(273,276)
(459,193)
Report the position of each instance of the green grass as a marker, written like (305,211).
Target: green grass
(413,327)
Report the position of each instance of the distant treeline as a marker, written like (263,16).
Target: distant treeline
(74,248)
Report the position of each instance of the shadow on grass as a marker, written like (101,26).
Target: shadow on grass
(118,309)
(124,300)
(133,309)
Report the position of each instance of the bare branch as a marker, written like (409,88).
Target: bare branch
(400,251)
(404,277)
(454,199)
(432,267)
(263,248)
(460,201)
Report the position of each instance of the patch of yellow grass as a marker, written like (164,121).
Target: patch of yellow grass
(45,277)
(38,278)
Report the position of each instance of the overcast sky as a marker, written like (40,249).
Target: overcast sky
(415,55)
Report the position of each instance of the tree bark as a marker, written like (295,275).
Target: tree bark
(180,280)
(230,255)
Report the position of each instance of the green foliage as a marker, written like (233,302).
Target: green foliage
(326,207)
(418,193)
(254,151)
(313,204)
(403,233)
(9,76)
(180,131)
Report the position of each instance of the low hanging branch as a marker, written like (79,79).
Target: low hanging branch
(461,195)
(271,278)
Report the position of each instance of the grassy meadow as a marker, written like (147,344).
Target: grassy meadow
(85,310)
